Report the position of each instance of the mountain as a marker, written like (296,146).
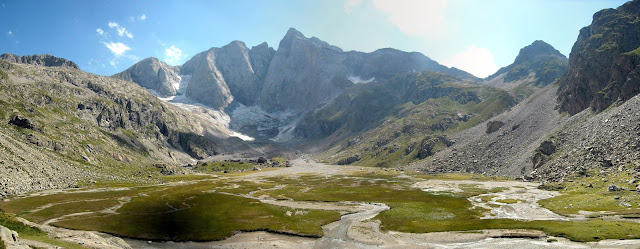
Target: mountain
(39,59)
(538,63)
(265,91)
(60,127)
(603,66)
(307,72)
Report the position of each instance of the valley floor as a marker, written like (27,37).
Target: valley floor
(335,199)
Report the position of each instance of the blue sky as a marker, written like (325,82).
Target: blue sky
(106,37)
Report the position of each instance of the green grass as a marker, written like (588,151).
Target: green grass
(588,191)
(581,231)
(23,205)
(222,166)
(416,211)
(9,221)
(508,201)
(202,216)
(209,209)
(70,208)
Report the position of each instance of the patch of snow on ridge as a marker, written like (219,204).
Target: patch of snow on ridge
(181,86)
(241,136)
(358,80)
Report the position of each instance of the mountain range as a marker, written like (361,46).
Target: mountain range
(543,117)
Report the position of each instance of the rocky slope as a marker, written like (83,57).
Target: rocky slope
(538,63)
(61,127)
(606,140)
(603,66)
(400,120)
(505,144)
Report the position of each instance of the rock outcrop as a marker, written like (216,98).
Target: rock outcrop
(603,66)
(10,239)
(39,59)
(153,74)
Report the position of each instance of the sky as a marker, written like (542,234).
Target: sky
(107,37)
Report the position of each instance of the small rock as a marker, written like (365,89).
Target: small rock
(614,187)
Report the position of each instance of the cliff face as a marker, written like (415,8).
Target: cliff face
(603,63)
(302,74)
(307,72)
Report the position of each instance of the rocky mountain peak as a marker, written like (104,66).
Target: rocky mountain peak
(294,35)
(537,48)
(39,59)
(236,43)
(153,74)
(538,62)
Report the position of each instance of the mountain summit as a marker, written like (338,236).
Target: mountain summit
(539,61)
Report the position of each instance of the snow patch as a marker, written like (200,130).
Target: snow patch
(358,80)
(241,136)
(181,86)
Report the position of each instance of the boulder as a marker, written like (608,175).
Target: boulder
(614,187)
(11,239)
(547,147)
(494,126)
(349,160)
(22,122)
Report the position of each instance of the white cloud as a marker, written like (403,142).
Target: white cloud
(416,17)
(100,31)
(172,55)
(143,17)
(117,49)
(10,33)
(475,60)
(122,31)
(349,4)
